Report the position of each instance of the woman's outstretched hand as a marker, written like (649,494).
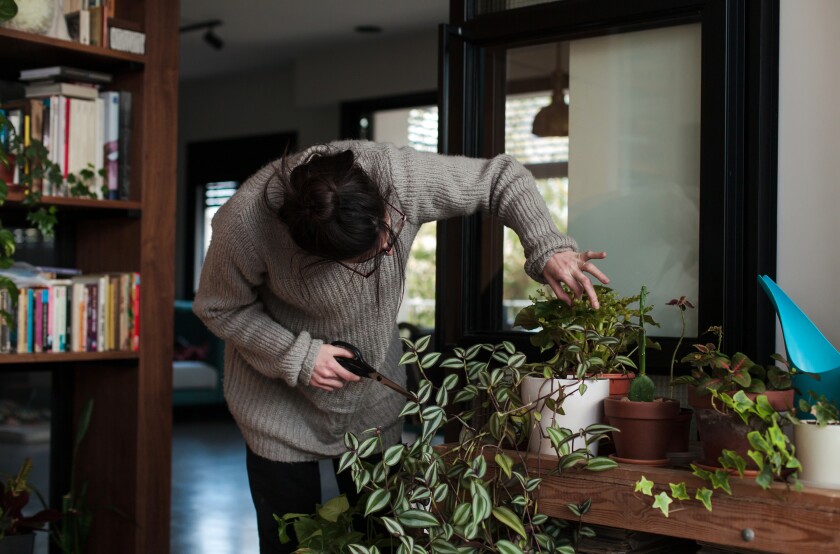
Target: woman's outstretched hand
(569,267)
(328,374)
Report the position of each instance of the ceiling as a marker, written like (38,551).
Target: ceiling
(268,33)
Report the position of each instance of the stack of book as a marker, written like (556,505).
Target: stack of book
(78,313)
(81,126)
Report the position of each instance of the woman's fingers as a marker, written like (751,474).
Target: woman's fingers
(569,267)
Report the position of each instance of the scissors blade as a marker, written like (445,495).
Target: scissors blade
(376,376)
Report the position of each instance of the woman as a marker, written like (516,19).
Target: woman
(312,249)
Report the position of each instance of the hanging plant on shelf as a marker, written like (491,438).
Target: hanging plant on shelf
(8,9)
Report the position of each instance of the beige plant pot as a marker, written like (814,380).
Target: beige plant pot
(580,410)
(817,449)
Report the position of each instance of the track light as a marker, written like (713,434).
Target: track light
(210,37)
(213,39)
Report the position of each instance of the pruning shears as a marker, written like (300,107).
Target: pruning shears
(358,366)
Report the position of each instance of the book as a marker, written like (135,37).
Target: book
(111,138)
(98,37)
(124,146)
(59,73)
(70,90)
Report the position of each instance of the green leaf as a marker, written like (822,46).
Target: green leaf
(377,500)
(350,441)
(764,477)
(507,547)
(661,502)
(461,514)
(601,463)
(410,409)
(509,347)
(367,447)
(644,486)
(516,360)
(422,343)
(418,519)
(509,518)
(393,526)
(678,491)
(347,459)
(451,381)
(704,495)
(720,480)
(452,363)
(408,358)
(393,455)
(505,463)
(430,359)
(481,504)
(333,508)
(357,549)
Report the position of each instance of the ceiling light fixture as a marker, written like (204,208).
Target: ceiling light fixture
(210,37)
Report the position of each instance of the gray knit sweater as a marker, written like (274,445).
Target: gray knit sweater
(273,317)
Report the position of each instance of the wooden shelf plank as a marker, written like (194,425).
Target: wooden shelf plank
(781,519)
(16,197)
(60,357)
(26,50)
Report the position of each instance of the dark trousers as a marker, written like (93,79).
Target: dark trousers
(287,487)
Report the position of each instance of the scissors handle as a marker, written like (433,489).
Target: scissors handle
(356,364)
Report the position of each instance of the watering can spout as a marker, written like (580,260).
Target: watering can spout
(807,348)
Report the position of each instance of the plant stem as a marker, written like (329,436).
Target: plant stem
(642,336)
(674,356)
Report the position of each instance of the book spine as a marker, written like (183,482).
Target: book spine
(111,143)
(124,164)
(30,320)
(93,318)
(135,328)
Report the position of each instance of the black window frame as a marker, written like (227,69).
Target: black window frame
(739,128)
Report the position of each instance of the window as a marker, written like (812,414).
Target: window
(212,197)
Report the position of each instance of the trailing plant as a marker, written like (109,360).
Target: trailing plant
(478,495)
(770,449)
(585,341)
(8,9)
(712,370)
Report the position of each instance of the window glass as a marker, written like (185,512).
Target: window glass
(416,127)
(211,198)
(617,159)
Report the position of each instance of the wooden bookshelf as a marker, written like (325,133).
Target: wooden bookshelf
(62,357)
(125,458)
(16,198)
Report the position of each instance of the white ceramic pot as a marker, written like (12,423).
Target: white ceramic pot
(817,449)
(580,410)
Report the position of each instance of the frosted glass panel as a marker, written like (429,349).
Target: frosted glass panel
(634,161)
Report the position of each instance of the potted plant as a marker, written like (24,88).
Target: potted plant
(645,423)
(771,452)
(716,377)
(476,494)
(590,359)
(17,531)
(680,437)
(818,441)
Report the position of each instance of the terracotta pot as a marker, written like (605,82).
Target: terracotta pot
(645,427)
(681,435)
(721,430)
(619,382)
(781,400)
(580,410)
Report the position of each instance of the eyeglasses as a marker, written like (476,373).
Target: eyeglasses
(368,267)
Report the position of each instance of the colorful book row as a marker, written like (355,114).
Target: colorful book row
(88,313)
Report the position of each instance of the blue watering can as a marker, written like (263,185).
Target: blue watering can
(807,348)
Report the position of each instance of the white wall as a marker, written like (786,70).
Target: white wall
(304,96)
(809,146)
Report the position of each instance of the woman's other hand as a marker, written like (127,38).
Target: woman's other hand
(328,374)
(569,267)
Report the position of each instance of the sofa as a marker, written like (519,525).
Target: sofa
(199,360)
